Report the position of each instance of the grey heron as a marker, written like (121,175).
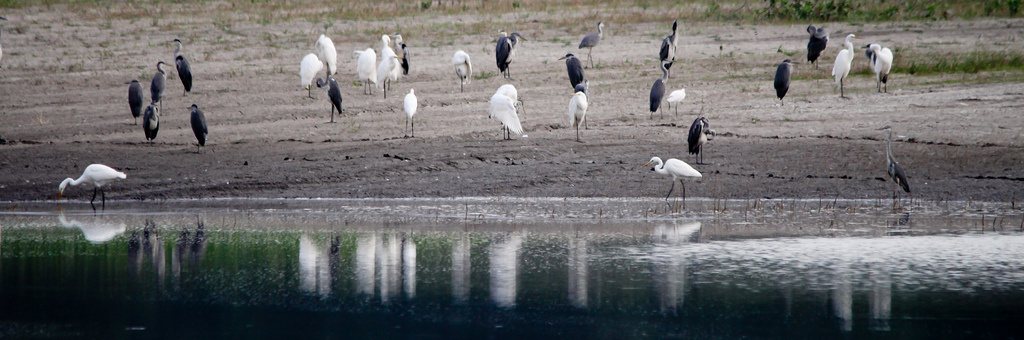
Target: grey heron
(591,40)
(679,171)
(667,53)
(880,60)
(198,120)
(151,122)
(98,175)
(410,106)
(503,108)
(400,49)
(463,68)
(699,135)
(1,46)
(844,59)
(893,168)
(310,66)
(574,68)
(327,54)
(405,59)
(675,98)
(156,87)
(816,44)
(135,99)
(658,91)
(333,93)
(366,66)
(184,70)
(782,76)
(578,111)
(505,51)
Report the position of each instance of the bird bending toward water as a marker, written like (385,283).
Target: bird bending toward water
(98,175)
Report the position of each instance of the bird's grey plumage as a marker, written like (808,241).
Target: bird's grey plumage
(505,51)
(198,121)
(658,90)
(698,136)
(405,59)
(151,121)
(135,99)
(782,76)
(816,44)
(184,70)
(156,87)
(333,93)
(667,54)
(591,40)
(575,69)
(892,167)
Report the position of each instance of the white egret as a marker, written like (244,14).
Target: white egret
(581,87)
(135,99)
(151,122)
(892,167)
(577,111)
(184,70)
(510,91)
(410,110)
(98,175)
(385,75)
(880,60)
(591,40)
(782,76)
(333,94)
(678,169)
(157,85)
(676,97)
(667,54)
(366,66)
(699,135)
(503,108)
(198,120)
(658,91)
(463,68)
(844,59)
(311,65)
(325,50)
(816,44)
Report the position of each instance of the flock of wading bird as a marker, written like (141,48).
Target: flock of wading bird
(505,103)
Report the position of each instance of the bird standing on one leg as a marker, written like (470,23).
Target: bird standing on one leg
(463,68)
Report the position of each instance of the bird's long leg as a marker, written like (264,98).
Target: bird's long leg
(841,94)
(578,133)
(670,190)
(462,86)
(589,58)
(413,127)
(677,110)
(94,190)
(103,195)
(684,192)
(406,127)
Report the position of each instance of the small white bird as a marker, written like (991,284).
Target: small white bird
(844,59)
(463,68)
(677,97)
(366,66)
(503,107)
(389,67)
(311,65)
(577,111)
(410,110)
(98,175)
(678,169)
(880,60)
(325,50)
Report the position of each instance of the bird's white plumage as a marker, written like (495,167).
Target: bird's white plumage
(311,65)
(410,104)
(676,168)
(463,66)
(882,62)
(325,50)
(98,175)
(844,59)
(389,68)
(577,108)
(366,65)
(510,91)
(503,108)
(677,96)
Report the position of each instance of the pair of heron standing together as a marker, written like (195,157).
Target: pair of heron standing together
(151,116)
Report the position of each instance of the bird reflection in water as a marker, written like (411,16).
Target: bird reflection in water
(314,267)
(189,249)
(147,245)
(670,272)
(504,271)
(97,229)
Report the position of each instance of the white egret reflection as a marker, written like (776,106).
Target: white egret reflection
(504,269)
(97,229)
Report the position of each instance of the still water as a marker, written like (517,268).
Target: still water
(511,268)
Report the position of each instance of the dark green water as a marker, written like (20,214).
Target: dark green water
(313,274)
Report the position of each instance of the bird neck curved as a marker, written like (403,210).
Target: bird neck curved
(178,49)
(848,45)
(160,68)
(888,146)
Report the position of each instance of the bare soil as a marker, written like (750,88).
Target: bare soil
(63,106)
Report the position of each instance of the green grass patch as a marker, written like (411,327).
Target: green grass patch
(971,62)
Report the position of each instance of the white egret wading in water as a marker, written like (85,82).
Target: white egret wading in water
(98,175)
(678,169)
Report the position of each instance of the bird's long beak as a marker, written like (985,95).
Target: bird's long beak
(59,193)
(562,58)
(399,57)
(648,163)
(856,37)
(794,62)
